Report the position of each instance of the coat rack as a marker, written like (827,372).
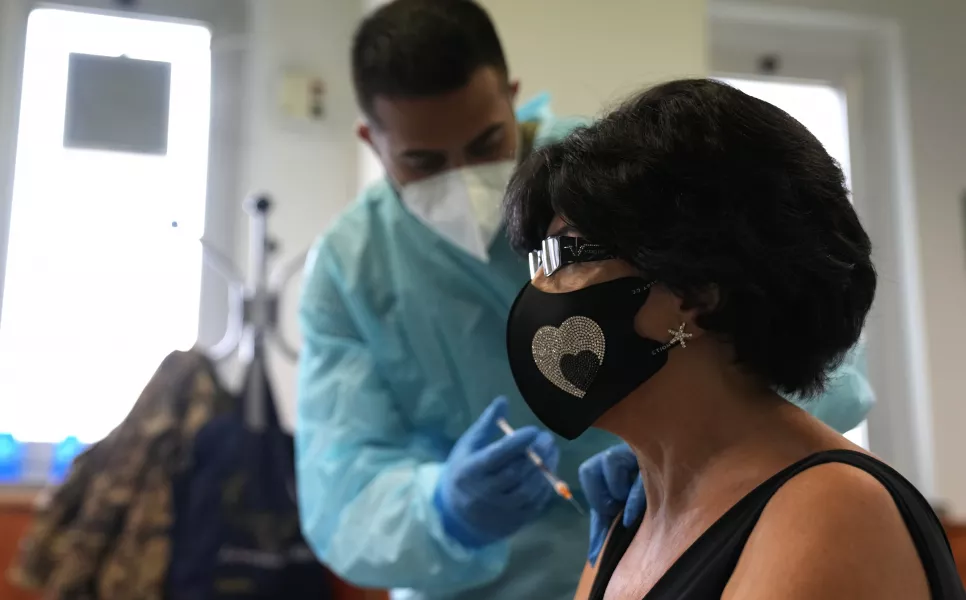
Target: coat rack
(253,307)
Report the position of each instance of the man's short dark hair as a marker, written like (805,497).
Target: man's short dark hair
(698,185)
(419,48)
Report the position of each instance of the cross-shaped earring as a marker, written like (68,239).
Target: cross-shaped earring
(680,336)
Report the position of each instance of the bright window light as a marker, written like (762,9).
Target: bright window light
(823,110)
(98,290)
(819,107)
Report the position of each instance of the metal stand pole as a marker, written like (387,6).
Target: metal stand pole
(259,310)
(254,307)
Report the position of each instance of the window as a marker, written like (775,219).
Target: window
(98,288)
(820,107)
(823,110)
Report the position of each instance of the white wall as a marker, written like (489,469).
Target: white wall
(312,171)
(934,44)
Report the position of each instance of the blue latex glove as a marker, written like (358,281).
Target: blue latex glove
(611,481)
(490,489)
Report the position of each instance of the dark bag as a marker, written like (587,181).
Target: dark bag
(236,528)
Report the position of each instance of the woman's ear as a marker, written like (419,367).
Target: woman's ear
(701,301)
(696,303)
(666,310)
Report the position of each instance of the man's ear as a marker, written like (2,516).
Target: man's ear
(514,89)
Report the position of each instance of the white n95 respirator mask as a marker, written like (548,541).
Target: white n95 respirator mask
(464,206)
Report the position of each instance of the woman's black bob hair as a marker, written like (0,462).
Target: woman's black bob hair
(698,184)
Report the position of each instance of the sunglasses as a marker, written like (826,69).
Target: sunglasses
(558,251)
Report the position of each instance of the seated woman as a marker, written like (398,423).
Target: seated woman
(696,256)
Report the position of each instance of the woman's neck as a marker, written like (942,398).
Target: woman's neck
(710,432)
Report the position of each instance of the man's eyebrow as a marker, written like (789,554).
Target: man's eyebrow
(486,135)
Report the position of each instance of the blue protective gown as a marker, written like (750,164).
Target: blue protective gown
(404,346)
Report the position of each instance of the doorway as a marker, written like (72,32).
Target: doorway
(822,108)
(841,76)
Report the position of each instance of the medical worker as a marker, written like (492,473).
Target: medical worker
(404,478)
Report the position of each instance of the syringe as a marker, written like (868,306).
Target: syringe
(559,485)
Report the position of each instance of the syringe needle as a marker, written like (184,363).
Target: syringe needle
(576,505)
(559,486)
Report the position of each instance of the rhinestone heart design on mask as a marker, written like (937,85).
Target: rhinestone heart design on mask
(569,356)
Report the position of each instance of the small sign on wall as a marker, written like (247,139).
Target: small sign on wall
(302,96)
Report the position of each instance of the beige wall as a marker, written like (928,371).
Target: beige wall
(590,54)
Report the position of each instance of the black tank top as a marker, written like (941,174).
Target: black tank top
(704,569)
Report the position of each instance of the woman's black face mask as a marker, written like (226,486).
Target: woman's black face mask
(574,355)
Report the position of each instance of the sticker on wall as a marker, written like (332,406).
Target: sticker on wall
(302,96)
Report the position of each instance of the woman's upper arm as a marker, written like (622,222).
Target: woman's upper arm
(587,578)
(586,581)
(832,532)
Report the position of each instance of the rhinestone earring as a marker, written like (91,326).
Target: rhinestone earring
(679,336)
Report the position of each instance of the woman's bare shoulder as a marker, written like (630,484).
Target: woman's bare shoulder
(833,531)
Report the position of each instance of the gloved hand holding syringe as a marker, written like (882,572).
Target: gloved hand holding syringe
(559,485)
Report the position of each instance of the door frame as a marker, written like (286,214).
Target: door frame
(228,22)
(863,57)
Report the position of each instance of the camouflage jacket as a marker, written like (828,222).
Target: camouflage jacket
(105,533)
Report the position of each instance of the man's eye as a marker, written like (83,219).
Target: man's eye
(491,149)
(428,165)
